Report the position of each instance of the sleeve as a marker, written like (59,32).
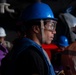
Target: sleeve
(30,62)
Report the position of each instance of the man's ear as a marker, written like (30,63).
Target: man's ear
(36,28)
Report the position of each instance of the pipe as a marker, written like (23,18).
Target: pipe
(5,6)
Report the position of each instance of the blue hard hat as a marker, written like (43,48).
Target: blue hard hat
(37,10)
(63,41)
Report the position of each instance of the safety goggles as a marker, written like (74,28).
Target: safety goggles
(50,25)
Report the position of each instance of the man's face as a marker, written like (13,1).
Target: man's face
(2,39)
(49,31)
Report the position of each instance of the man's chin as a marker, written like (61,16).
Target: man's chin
(48,43)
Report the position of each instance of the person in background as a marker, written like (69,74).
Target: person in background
(3,42)
(3,52)
(69,57)
(62,43)
(28,57)
(3,49)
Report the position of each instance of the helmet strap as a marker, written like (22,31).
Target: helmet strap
(42,30)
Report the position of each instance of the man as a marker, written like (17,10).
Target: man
(3,42)
(27,56)
(62,43)
(69,59)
